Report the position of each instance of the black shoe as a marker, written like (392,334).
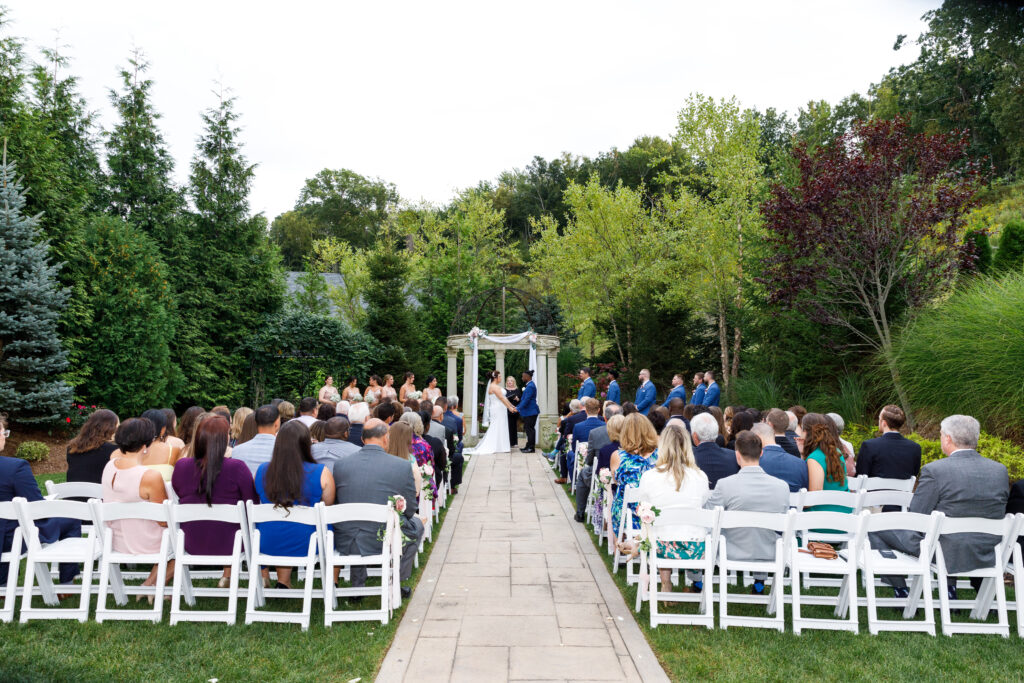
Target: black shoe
(578,517)
(901,593)
(355,599)
(527,450)
(951,591)
(406,592)
(758,588)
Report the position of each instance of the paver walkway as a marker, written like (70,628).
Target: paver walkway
(514,590)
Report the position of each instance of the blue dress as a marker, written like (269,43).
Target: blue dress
(287,538)
(631,468)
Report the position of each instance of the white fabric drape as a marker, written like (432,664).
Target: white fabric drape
(495,339)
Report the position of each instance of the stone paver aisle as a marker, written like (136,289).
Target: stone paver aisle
(514,590)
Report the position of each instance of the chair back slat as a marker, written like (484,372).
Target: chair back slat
(976,525)
(880,498)
(197,512)
(356,512)
(154,512)
(298,514)
(631,495)
(909,521)
(46,509)
(742,519)
(8,511)
(848,499)
(885,484)
(821,519)
(73,489)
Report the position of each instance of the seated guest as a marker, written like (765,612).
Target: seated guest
(677,411)
(158,455)
(750,490)
(260,448)
(187,428)
(187,453)
(210,478)
(325,412)
(238,422)
(400,446)
(342,408)
(826,466)
(307,411)
(316,431)
(676,482)
(963,484)
(891,455)
(566,427)
(357,415)
(421,450)
(335,445)
(798,412)
(286,409)
(373,476)
(741,422)
(628,408)
(596,440)
(637,454)
(437,428)
(658,417)
(794,424)
(678,390)
(17,481)
(127,480)
(604,456)
(453,421)
(779,422)
(777,462)
(223,411)
(581,430)
(248,430)
(688,412)
(713,460)
(385,412)
(840,423)
(437,446)
(90,450)
(173,437)
(719,416)
(291,478)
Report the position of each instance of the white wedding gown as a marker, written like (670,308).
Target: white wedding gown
(495,440)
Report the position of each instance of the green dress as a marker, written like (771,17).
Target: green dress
(818,456)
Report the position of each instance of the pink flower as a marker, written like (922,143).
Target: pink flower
(94,406)
(427,470)
(400,503)
(68,419)
(646,513)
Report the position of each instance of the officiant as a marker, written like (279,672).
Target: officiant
(513,393)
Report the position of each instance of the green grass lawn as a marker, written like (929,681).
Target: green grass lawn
(744,654)
(67,650)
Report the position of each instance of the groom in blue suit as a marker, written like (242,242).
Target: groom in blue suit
(645,393)
(587,388)
(529,410)
(678,390)
(712,393)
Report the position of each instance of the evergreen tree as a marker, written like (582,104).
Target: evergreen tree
(389,318)
(980,251)
(1010,255)
(139,187)
(230,276)
(313,297)
(31,355)
(132,305)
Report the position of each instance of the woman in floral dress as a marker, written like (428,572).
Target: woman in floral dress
(639,453)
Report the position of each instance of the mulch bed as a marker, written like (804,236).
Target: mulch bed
(57,441)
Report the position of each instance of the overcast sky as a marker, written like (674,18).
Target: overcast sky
(435,97)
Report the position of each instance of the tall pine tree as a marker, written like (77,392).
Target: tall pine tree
(230,275)
(389,317)
(31,356)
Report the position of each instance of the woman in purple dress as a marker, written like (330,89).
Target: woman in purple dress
(207,477)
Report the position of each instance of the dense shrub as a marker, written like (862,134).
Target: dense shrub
(980,249)
(33,451)
(1010,255)
(967,355)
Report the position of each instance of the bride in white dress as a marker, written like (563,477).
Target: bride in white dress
(496,408)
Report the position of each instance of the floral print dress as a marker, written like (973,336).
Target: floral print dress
(424,455)
(631,468)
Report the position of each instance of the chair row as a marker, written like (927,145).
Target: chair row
(850,532)
(92,549)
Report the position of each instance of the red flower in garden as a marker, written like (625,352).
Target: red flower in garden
(68,420)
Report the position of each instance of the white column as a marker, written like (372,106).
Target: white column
(452,387)
(541,380)
(468,407)
(552,387)
(499,361)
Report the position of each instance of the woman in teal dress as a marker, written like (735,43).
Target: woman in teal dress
(638,453)
(826,465)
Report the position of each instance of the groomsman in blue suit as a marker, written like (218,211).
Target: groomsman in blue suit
(614,395)
(645,393)
(712,393)
(678,390)
(587,388)
(698,390)
(528,411)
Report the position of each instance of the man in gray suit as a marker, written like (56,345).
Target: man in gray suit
(963,484)
(751,490)
(372,475)
(598,439)
(259,448)
(335,445)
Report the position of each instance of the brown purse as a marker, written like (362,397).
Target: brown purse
(821,550)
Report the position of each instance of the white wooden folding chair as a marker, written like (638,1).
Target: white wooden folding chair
(172,495)
(73,489)
(595,487)
(885,484)
(631,494)
(110,561)
(874,564)
(257,594)
(12,558)
(856,483)
(782,525)
(579,458)
(184,561)
(84,550)
(847,499)
(388,561)
(651,565)
(845,565)
(992,577)
(883,497)
(1016,568)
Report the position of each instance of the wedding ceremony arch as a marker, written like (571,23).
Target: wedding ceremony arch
(543,349)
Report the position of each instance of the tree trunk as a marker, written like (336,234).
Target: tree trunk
(737,339)
(618,342)
(901,394)
(723,342)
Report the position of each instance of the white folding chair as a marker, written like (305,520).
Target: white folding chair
(73,489)
(261,514)
(387,560)
(110,561)
(992,577)
(782,525)
(874,564)
(882,497)
(856,483)
(595,486)
(198,512)
(884,484)
(1016,567)
(847,499)
(579,459)
(12,558)
(172,495)
(84,550)
(844,565)
(651,564)
(631,494)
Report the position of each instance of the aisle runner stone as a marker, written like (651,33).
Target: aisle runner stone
(514,590)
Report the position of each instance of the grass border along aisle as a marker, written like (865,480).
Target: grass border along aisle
(745,654)
(126,651)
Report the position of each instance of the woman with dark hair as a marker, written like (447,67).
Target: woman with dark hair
(127,480)
(373,393)
(328,394)
(325,412)
(351,390)
(387,392)
(187,426)
(658,416)
(740,421)
(160,456)
(90,450)
(248,429)
(317,430)
(826,465)
(208,477)
(291,477)
(719,416)
(410,385)
(431,393)
(173,439)
(514,394)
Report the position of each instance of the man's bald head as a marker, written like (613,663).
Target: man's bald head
(375,432)
(438,413)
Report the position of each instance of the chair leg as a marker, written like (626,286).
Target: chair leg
(797,595)
(83,604)
(101,600)
(869,592)
(944,600)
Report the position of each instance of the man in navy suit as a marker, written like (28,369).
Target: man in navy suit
(714,461)
(529,410)
(891,455)
(581,432)
(712,393)
(614,395)
(678,390)
(698,390)
(587,388)
(645,393)
(779,463)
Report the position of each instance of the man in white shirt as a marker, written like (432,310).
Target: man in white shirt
(307,411)
(260,448)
